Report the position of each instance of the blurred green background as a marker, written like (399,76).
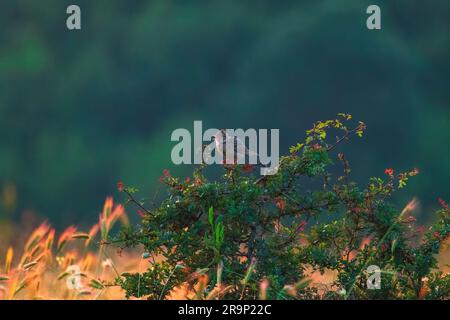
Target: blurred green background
(81,110)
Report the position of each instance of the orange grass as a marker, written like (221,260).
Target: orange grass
(42,268)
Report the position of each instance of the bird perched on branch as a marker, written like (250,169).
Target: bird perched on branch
(240,151)
(222,139)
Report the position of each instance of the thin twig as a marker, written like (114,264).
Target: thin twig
(133,200)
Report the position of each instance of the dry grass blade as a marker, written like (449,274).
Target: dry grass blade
(30,265)
(37,236)
(92,233)
(9,258)
(4,278)
(65,237)
(218,292)
(63,275)
(24,283)
(80,236)
(84,292)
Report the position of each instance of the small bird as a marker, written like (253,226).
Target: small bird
(223,139)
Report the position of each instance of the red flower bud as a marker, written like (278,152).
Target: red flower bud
(443,203)
(280,203)
(410,219)
(420,229)
(198,182)
(389,172)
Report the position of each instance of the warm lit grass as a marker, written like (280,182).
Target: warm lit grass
(47,265)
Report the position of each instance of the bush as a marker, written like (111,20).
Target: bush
(248,237)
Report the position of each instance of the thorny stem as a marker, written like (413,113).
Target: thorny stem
(133,200)
(346,136)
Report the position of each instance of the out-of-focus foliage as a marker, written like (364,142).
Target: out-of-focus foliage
(80,110)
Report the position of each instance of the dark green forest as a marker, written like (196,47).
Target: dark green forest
(81,110)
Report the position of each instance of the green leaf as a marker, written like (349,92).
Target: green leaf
(296,148)
(96,284)
(211,221)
